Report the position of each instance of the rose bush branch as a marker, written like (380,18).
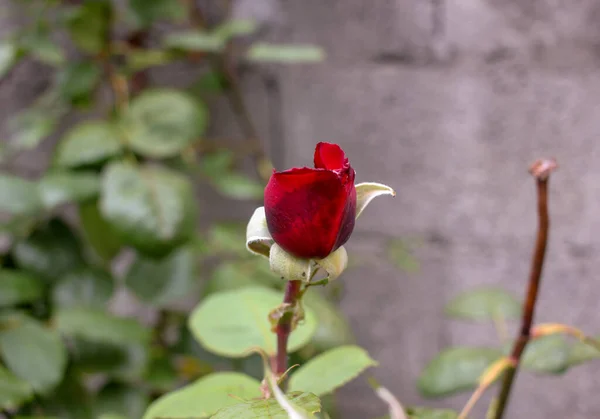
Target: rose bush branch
(541,170)
(309,214)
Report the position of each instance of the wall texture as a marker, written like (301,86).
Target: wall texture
(448,102)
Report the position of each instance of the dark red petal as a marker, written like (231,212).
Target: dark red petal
(330,156)
(310,212)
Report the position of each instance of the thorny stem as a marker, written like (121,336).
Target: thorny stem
(284,327)
(541,170)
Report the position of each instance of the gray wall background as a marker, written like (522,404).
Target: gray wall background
(448,101)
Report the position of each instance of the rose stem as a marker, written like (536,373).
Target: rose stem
(541,170)
(284,326)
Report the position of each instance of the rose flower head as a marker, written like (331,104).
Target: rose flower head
(309,214)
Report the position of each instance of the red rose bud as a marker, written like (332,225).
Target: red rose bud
(311,212)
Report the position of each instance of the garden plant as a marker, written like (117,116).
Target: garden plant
(123,297)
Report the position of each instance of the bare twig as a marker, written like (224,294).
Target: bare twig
(224,65)
(541,170)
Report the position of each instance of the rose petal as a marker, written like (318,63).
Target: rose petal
(310,212)
(330,156)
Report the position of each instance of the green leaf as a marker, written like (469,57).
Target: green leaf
(78,81)
(581,352)
(87,287)
(120,399)
(547,355)
(99,234)
(34,353)
(161,375)
(290,54)
(231,323)
(195,41)
(331,370)
(8,57)
(98,325)
(89,25)
(400,253)
(70,400)
(269,408)
(88,143)
(29,128)
(238,186)
(232,28)
(18,287)
(144,12)
(484,303)
(161,123)
(57,188)
(13,390)
(333,329)
(142,59)
(38,43)
(121,361)
(163,281)
(239,274)
(205,396)
(50,251)
(455,369)
(18,196)
(153,209)
(429,413)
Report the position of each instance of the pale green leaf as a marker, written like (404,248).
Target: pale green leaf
(88,143)
(484,303)
(581,352)
(330,370)
(162,281)
(205,396)
(290,54)
(152,209)
(34,353)
(268,409)
(163,122)
(430,413)
(238,186)
(195,41)
(455,369)
(233,28)
(57,188)
(547,355)
(18,287)
(231,323)
(8,57)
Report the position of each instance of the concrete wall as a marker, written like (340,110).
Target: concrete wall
(448,102)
